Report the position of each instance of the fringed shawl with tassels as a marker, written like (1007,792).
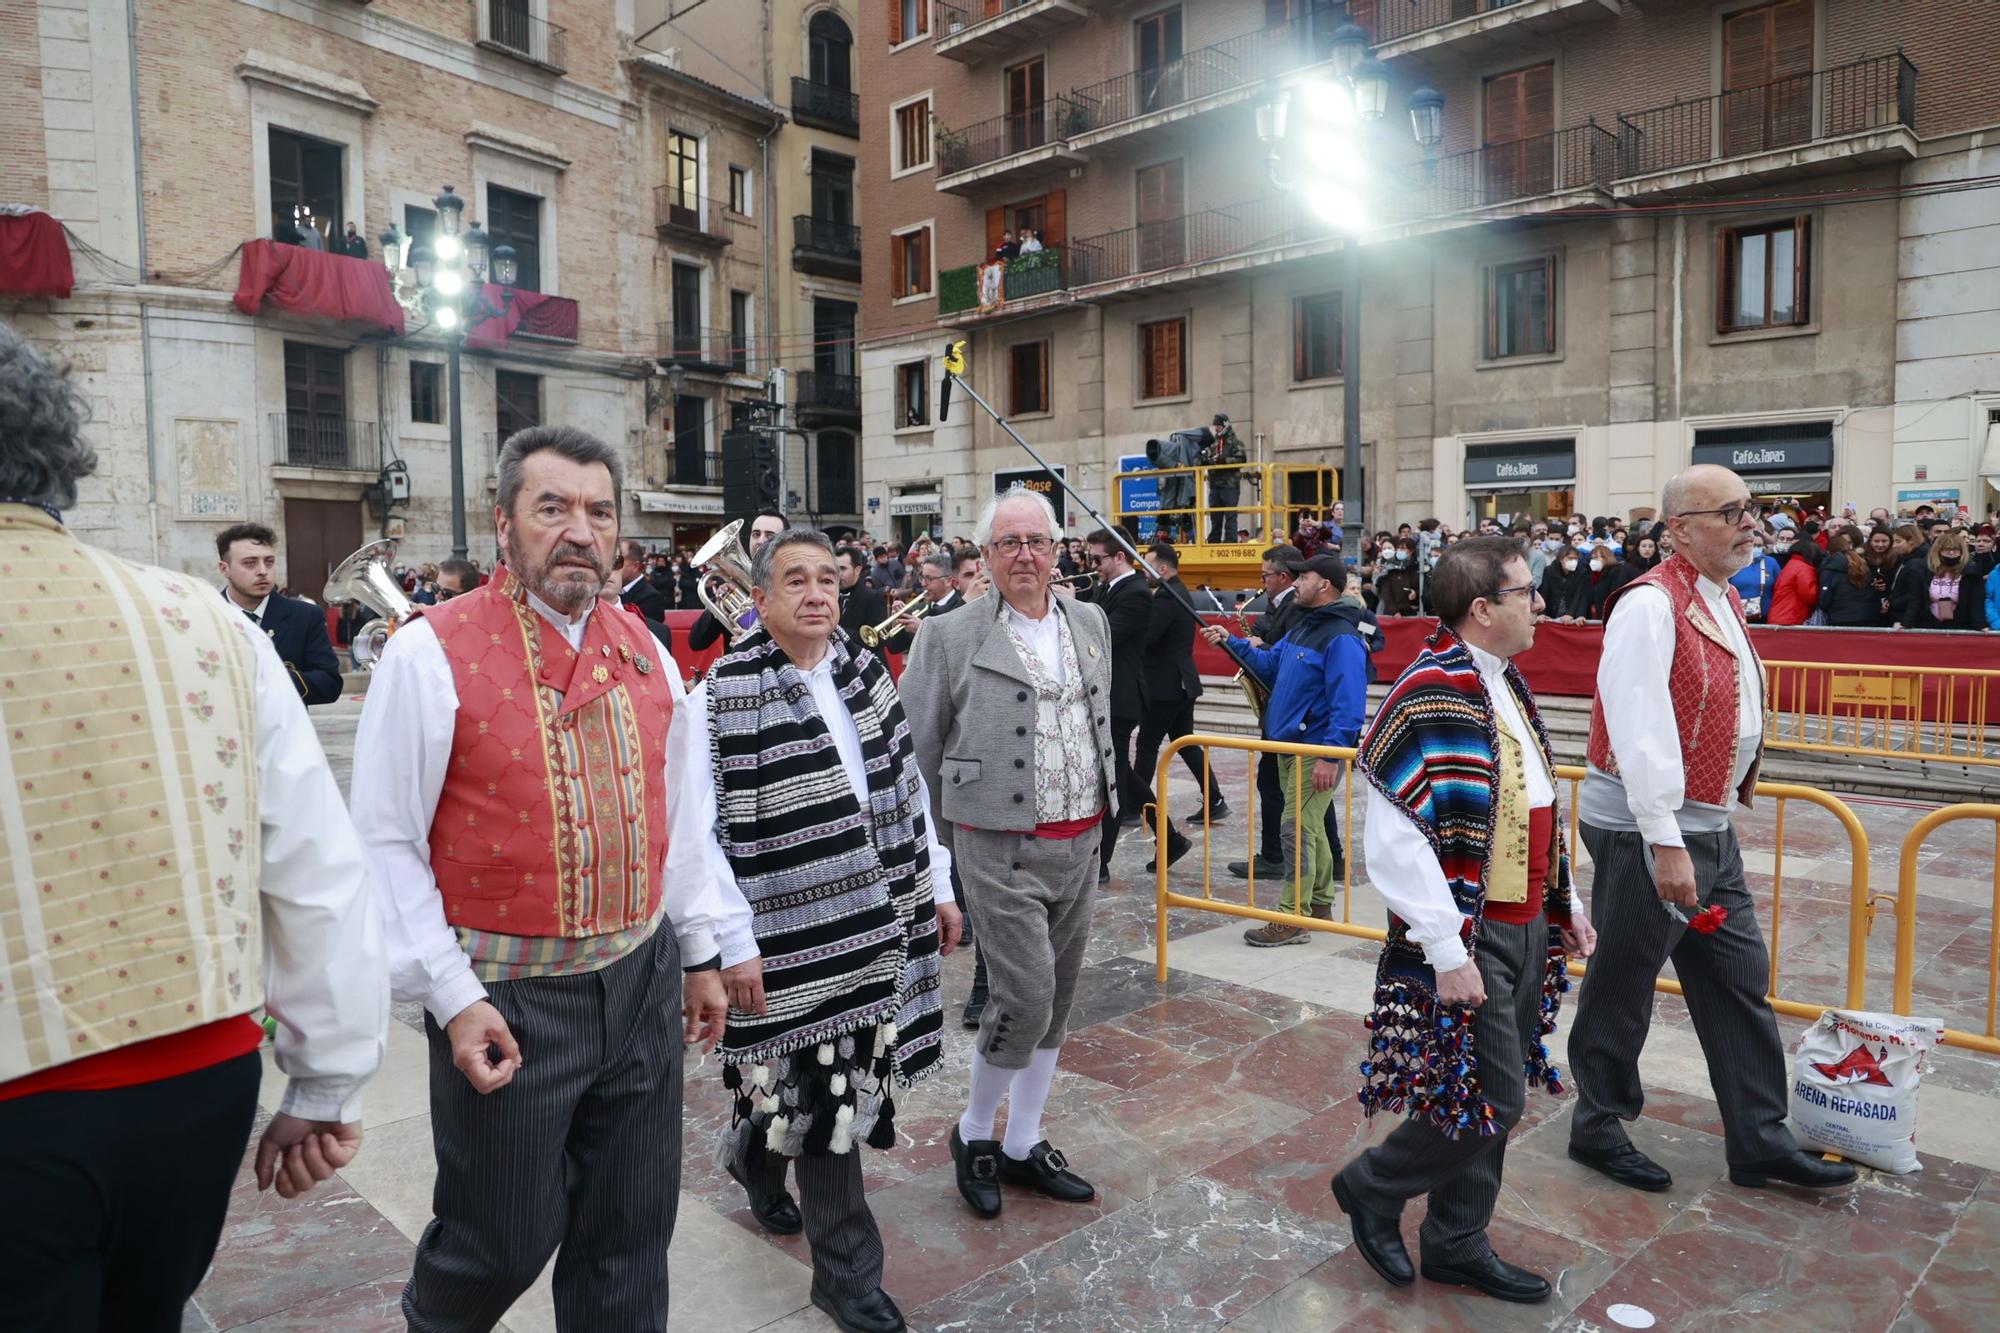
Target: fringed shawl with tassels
(1432,750)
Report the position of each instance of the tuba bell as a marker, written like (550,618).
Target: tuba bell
(364,577)
(725,582)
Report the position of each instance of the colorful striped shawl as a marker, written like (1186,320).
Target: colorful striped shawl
(1432,750)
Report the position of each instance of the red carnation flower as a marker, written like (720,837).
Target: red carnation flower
(1708,920)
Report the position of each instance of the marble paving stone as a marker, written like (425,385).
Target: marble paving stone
(1217,1021)
(1193,1256)
(366,1307)
(1309,1067)
(1961,1289)
(1345,1293)
(1109,1054)
(1118,986)
(278,1253)
(395,1171)
(1544,1189)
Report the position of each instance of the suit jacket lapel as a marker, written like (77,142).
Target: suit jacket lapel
(996,649)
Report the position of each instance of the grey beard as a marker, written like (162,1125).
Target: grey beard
(564,594)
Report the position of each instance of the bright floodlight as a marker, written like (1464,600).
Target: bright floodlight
(1340,207)
(1337,156)
(447,317)
(447,248)
(1330,100)
(449,282)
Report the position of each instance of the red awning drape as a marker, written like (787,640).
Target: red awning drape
(536,313)
(34,256)
(312,282)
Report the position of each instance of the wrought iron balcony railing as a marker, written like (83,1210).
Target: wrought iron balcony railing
(693,467)
(1194,238)
(716,349)
(1571,159)
(829,391)
(314,439)
(506,25)
(1871,94)
(1006,135)
(692,217)
(1030,275)
(838,240)
(826,107)
(1241,62)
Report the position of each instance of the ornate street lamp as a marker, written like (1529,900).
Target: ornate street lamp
(1342,110)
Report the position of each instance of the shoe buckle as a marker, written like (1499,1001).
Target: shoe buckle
(1055,1161)
(985,1168)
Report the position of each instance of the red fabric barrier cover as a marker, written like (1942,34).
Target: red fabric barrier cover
(34,256)
(537,313)
(312,282)
(1564,658)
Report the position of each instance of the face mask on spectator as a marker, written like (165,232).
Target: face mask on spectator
(1569,565)
(1596,564)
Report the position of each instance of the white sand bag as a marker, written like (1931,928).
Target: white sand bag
(1854,1086)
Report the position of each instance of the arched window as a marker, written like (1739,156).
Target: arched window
(830,45)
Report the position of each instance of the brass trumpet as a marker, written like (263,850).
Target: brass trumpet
(872,635)
(1081,582)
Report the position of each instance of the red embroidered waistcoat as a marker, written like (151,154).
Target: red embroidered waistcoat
(553,817)
(1702,681)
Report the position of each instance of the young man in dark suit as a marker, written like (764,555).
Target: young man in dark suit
(247,557)
(861,602)
(635,593)
(1171,685)
(1122,595)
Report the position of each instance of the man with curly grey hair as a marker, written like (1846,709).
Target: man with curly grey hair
(159,900)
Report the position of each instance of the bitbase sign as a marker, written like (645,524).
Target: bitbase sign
(1045,482)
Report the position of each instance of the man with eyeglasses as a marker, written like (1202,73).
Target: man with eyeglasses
(1655,810)
(456,578)
(1465,847)
(1121,593)
(1010,714)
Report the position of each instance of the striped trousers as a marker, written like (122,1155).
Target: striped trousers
(1723,976)
(581,1150)
(846,1243)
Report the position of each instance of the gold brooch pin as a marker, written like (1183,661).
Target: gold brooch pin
(645,666)
(600,674)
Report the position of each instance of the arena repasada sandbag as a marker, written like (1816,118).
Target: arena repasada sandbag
(1854,1086)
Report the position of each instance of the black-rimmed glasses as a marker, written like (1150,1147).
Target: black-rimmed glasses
(1731,514)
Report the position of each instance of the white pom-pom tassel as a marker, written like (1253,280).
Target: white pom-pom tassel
(774,1135)
(826,1053)
(838,1085)
(760,1077)
(843,1131)
(772,1106)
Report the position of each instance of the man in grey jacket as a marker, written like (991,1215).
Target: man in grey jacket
(1009,711)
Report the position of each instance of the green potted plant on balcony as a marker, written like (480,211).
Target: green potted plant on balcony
(951,147)
(1075,119)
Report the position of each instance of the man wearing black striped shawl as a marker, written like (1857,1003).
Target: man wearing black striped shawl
(820,821)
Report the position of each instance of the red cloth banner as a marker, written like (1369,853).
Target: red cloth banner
(536,313)
(34,256)
(313,282)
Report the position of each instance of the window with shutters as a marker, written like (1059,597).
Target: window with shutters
(1161,77)
(1521,309)
(1316,337)
(1027,114)
(517,402)
(910,263)
(1518,155)
(908,20)
(315,419)
(1046,215)
(913,407)
(515,219)
(1767,58)
(1027,378)
(1763,275)
(1160,191)
(1163,358)
(910,133)
(426,393)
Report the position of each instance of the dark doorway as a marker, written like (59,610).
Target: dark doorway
(319,534)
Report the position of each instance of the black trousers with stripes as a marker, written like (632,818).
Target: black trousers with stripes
(581,1150)
(846,1242)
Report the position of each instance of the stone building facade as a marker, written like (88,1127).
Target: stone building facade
(1647,234)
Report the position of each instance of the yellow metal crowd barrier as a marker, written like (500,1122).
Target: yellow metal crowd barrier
(1860,908)
(1895,712)
(1906,923)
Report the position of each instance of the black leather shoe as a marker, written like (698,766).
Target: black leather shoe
(975,1005)
(1047,1171)
(873,1313)
(779,1215)
(978,1164)
(1217,809)
(1806,1172)
(1178,845)
(1492,1275)
(1378,1236)
(1266,869)
(1626,1165)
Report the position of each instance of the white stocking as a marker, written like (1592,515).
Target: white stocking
(1024,1106)
(989,1089)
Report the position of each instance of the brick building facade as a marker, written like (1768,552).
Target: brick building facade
(1647,234)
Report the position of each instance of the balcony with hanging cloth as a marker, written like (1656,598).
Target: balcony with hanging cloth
(317,283)
(532,316)
(1818,123)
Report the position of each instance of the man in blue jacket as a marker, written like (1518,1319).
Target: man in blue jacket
(248,562)
(1318,677)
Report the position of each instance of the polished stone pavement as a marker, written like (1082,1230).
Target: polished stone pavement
(1211,1111)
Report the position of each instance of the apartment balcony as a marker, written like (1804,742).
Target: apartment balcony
(1471,31)
(1192,248)
(717,351)
(826,248)
(1566,169)
(826,108)
(826,396)
(1828,121)
(973,31)
(325,442)
(1140,103)
(1027,283)
(1018,147)
(692,219)
(506,26)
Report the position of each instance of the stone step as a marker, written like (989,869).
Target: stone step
(1222,710)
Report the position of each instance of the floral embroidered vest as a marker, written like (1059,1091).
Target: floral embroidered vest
(1703,684)
(553,817)
(128,801)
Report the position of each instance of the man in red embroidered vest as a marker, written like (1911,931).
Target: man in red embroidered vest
(1655,811)
(511,784)
(178,854)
